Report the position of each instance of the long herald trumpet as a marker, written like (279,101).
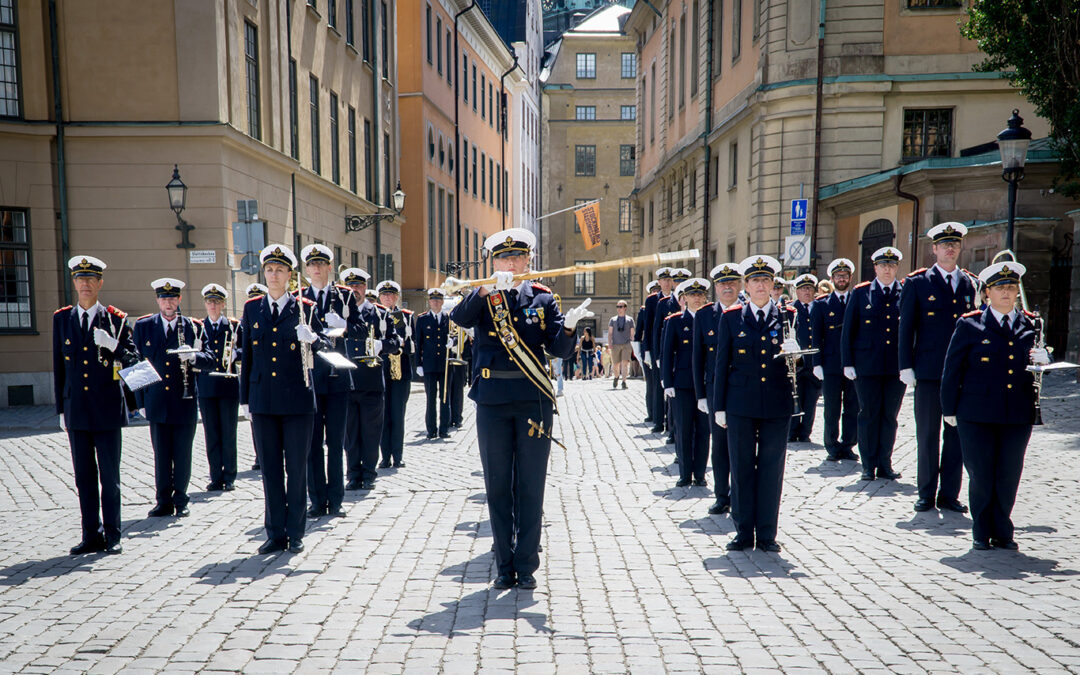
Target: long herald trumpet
(788,331)
(306,362)
(452,285)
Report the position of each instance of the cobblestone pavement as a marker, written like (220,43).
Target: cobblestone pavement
(634,577)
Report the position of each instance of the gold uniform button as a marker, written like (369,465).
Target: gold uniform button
(763,365)
(273,344)
(85,362)
(273,358)
(166,375)
(86,374)
(762,351)
(273,330)
(763,338)
(166,387)
(763,379)
(273,374)
(1010,344)
(1008,386)
(1010,357)
(1010,371)
(86,388)
(888,342)
(85,349)
(888,330)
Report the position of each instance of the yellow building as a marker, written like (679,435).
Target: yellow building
(589,153)
(288,102)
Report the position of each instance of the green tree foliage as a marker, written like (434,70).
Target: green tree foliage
(1037,44)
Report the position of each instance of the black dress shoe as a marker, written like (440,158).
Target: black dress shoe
(682,482)
(670,440)
(367,485)
(738,544)
(444,434)
(431,435)
(503,581)
(229,487)
(161,510)
(114,548)
(272,546)
(979,545)
(647,420)
(84,547)
(657,430)
(719,507)
(215,487)
(352,485)
(700,482)
(804,439)
(399,465)
(316,511)
(385,464)
(768,546)
(832,458)
(335,512)
(182,512)
(848,454)
(526,581)
(296,546)
(923,505)
(867,475)
(888,474)
(952,505)
(255,466)
(1007,544)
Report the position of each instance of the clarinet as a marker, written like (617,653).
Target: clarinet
(183,364)
(1040,342)
(786,331)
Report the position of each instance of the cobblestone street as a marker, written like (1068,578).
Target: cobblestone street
(633,577)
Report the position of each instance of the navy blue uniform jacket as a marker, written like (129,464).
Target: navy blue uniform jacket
(749,381)
(214,339)
(164,401)
(396,322)
(804,332)
(929,310)
(826,332)
(677,351)
(539,324)
(327,379)
(706,335)
(432,332)
(665,307)
(985,378)
(369,318)
(87,390)
(647,327)
(869,338)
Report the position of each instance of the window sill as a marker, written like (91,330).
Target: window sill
(732,188)
(334,31)
(350,48)
(314,13)
(19,331)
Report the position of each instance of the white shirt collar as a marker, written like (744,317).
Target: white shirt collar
(879,285)
(767,307)
(91,313)
(280,302)
(169,324)
(840,294)
(365,304)
(1011,316)
(316,290)
(690,311)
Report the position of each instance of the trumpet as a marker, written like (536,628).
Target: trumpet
(306,362)
(787,330)
(227,360)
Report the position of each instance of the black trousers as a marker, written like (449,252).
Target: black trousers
(363,431)
(841,407)
(721,460)
(283,442)
(691,435)
(172,462)
(994,457)
(515,472)
(95,456)
(880,397)
(758,450)
(436,400)
(219,418)
(809,390)
(940,460)
(393,435)
(457,392)
(326,475)
(254,444)
(649,385)
(661,420)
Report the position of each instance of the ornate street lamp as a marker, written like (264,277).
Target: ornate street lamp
(177,202)
(1013,142)
(358,223)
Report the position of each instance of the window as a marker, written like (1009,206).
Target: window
(450,250)
(331,13)
(584,160)
(491,181)
(365,30)
(624,214)
(438,45)
(628,112)
(682,60)
(16,313)
(442,153)
(629,65)
(370,264)
(251,59)
(584,282)
(335,140)
(652,216)
(10,104)
(337,253)
(671,73)
(693,189)
(573,217)
(427,37)
(586,66)
(624,281)
(442,230)
(386,169)
(431,144)
(736,29)
(476,247)
(465,75)
(313,95)
(652,106)
(483,178)
(465,162)
(626,159)
(355,259)
(369,164)
(474,181)
(585,112)
(386,57)
(498,186)
(431,235)
(733,164)
(491,103)
(294,113)
(682,192)
(505,191)
(352,148)
(718,39)
(927,133)
(483,101)
(450,157)
(473,89)
(755,21)
(694,47)
(449,59)
(349,33)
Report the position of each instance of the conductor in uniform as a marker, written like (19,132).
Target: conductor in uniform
(170,405)
(432,336)
(752,394)
(334,306)
(255,290)
(219,394)
(826,330)
(397,371)
(514,323)
(809,385)
(870,356)
(931,303)
(278,333)
(677,374)
(726,282)
(91,343)
(989,396)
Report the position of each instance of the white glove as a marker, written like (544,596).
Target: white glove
(636,348)
(187,357)
(63,426)
(570,321)
(376,348)
(333,320)
(104,340)
(721,418)
(907,376)
(305,334)
(504,281)
(471,332)
(849,373)
(819,373)
(669,392)
(1039,356)
(420,371)
(703,405)
(244,410)
(789,345)
(950,420)
(648,359)
(142,411)
(232,355)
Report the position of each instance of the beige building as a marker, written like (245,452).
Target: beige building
(729,134)
(588,152)
(288,102)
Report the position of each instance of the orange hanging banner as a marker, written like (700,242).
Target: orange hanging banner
(588,220)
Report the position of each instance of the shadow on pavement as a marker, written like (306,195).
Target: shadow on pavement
(475,571)
(474,610)
(472,527)
(998,564)
(879,488)
(748,564)
(248,568)
(148,527)
(839,468)
(16,574)
(710,526)
(937,523)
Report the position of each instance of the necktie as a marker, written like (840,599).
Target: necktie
(85,322)
(274,312)
(843,301)
(168,334)
(761,317)
(948,282)
(322,304)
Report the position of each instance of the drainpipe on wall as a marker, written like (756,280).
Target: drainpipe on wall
(61,159)
(705,234)
(502,139)
(457,133)
(376,99)
(914,253)
(817,128)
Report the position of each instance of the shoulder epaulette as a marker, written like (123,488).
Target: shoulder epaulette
(342,288)
(145,316)
(672,316)
(379,306)
(308,301)
(1030,315)
(195,321)
(233,321)
(541,287)
(651,294)
(974,312)
(865,283)
(921,270)
(62,309)
(735,307)
(407,311)
(256,299)
(117,312)
(790,308)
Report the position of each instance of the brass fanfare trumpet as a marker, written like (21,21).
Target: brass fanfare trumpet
(787,330)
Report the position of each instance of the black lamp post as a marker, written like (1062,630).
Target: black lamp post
(177,201)
(357,223)
(1013,142)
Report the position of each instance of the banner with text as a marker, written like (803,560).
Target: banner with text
(588,220)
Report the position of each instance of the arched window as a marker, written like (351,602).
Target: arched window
(431,144)
(877,234)
(442,152)
(449,157)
